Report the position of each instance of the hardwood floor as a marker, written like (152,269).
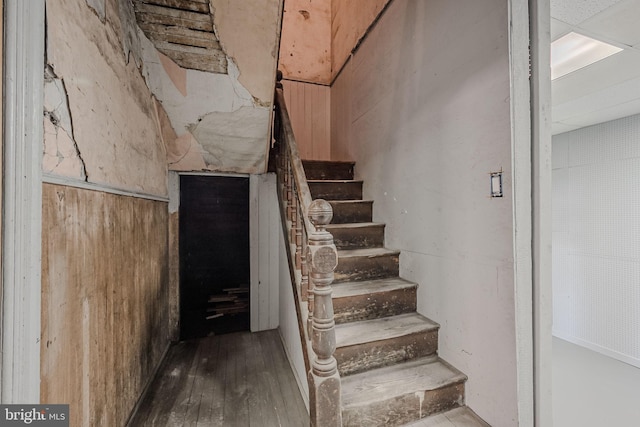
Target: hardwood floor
(233,380)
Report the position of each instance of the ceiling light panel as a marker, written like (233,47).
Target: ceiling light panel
(575,51)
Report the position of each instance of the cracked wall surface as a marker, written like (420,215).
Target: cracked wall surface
(222,122)
(61,155)
(104,256)
(112,122)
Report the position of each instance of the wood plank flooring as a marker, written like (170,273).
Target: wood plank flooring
(234,380)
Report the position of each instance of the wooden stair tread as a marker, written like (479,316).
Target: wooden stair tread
(364,331)
(355,225)
(333,181)
(428,373)
(328,162)
(368,252)
(350,201)
(366,287)
(458,417)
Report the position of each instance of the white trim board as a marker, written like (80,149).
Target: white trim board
(522,220)
(540,23)
(22,208)
(599,349)
(103,188)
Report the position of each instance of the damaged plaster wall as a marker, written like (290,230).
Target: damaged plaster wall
(254,52)
(104,259)
(100,121)
(61,153)
(220,122)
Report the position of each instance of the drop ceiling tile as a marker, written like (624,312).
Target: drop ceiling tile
(596,78)
(613,112)
(559,29)
(623,98)
(574,12)
(620,23)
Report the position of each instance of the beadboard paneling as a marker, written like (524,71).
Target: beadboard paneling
(309,110)
(104,301)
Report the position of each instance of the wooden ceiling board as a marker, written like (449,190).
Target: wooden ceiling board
(208,61)
(183,36)
(195,6)
(183,30)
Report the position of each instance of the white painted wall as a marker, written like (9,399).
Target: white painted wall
(289,331)
(596,238)
(264,231)
(426,99)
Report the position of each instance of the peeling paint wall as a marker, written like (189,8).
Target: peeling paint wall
(61,154)
(222,122)
(105,296)
(249,34)
(110,119)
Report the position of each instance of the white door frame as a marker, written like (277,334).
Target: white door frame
(540,12)
(531,144)
(521,143)
(22,206)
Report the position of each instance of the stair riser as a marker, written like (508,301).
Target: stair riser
(358,238)
(371,355)
(336,190)
(405,408)
(374,306)
(345,213)
(367,268)
(326,170)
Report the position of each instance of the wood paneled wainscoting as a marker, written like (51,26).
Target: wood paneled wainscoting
(104,301)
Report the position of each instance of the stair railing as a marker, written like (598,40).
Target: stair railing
(312,260)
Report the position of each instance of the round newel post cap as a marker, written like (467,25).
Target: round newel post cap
(320,212)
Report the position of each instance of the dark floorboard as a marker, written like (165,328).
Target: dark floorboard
(233,380)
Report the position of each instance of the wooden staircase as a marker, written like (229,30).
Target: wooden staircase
(386,352)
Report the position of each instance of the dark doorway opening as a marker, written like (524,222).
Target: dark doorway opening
(214,255)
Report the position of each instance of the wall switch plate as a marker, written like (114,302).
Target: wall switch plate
(496,184)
